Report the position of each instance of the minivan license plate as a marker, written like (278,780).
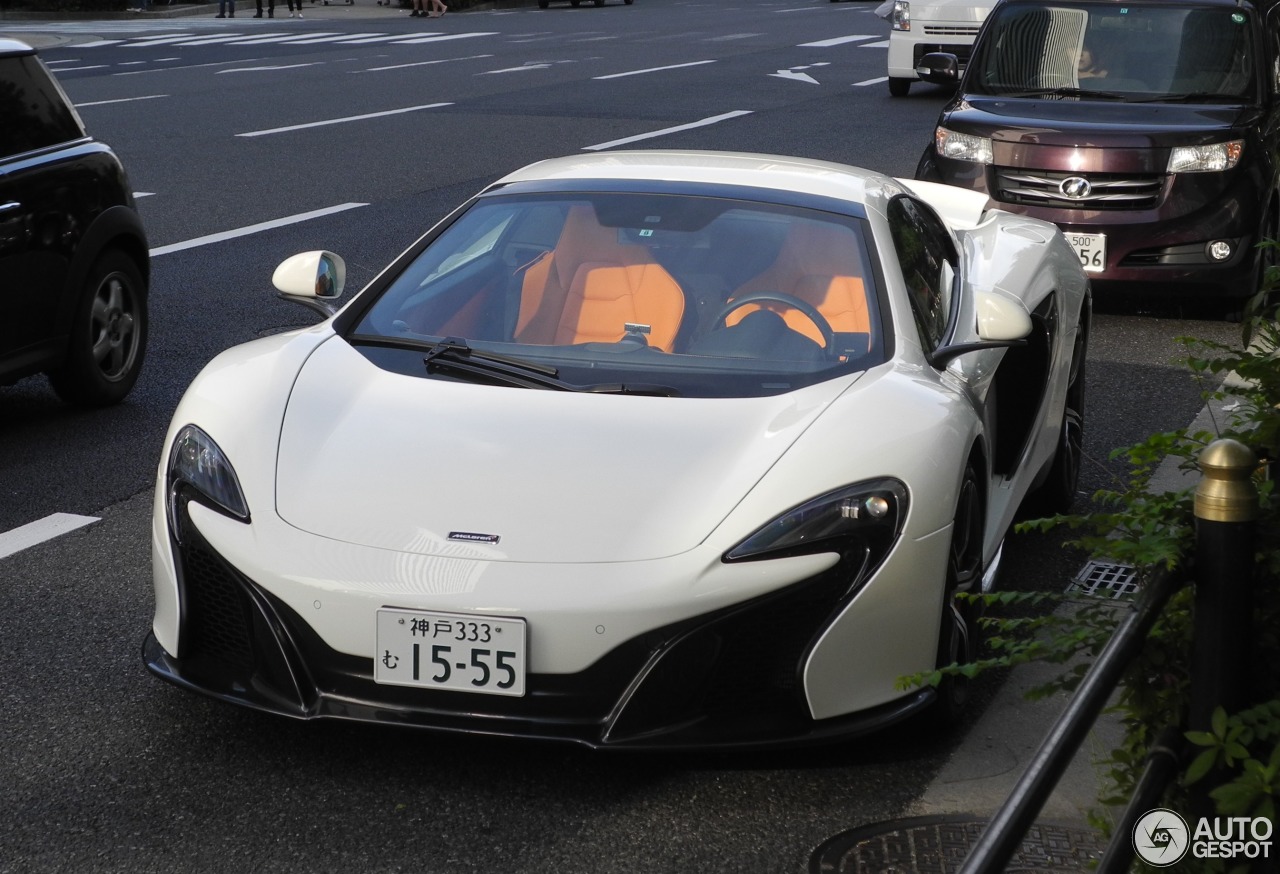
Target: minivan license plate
(1091,250)
(460,652)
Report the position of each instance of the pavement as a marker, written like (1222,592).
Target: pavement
(935,833)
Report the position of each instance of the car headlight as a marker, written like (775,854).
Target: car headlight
(962,147)
(198,469)
(866,517)
(900,18)
(1205,159)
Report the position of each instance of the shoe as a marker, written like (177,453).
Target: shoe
(219,15)
(415,13)
(299,14)
(271,13)
(257,15)
(291,15)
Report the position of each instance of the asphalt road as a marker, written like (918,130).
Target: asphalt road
(237,131)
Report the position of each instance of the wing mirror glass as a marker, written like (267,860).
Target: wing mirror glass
(314,279)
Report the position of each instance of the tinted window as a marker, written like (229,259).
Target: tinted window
(36,113)
(926,256)
(1147,51)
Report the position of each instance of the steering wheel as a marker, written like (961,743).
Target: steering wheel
(809,310)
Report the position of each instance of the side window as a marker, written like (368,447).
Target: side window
(1273,49)
(927,258)
(35,111)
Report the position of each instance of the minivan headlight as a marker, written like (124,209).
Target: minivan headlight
(900,18)
(1205,159)
(962,147)
(198,468)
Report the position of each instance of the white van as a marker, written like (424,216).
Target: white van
(925,26)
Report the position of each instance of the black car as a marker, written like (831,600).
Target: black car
(1147,130)
(74,264)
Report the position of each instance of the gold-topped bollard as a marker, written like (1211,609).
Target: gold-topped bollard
(1226,513)
(1227,492)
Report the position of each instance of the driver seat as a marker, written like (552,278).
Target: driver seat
(592,289)
(821,264)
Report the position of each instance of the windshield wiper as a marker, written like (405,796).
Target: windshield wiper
(1192,97)
(1063,91)
(453,353)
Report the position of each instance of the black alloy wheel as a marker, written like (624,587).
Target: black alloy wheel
(959,634)
(108,335)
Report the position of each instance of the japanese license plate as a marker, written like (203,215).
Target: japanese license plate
(1091,249)
(461,652)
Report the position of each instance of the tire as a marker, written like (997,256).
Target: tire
(899,87)
(575,3)
(958,636)
(108,340)
(1058,491)
(543,4)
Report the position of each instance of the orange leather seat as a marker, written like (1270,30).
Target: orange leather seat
(591,287)
(821,264)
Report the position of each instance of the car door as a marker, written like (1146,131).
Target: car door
(43,206)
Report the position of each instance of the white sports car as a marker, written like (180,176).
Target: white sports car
(637,449)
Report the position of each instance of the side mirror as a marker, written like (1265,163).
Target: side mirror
(1003,322)
(313,279)
(940,68)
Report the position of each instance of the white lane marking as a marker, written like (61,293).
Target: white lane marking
(875,81)
(54,62)
(99,43)
(138,194)
(253,229)
(120,100)
(386,37)
(70,69)
(279,38)
(733,36)
(234,39)
(836,41)
(653,70)
(421,63)
(882,44)
(342,37)
(310,124)
(442,38)
(185,66)
(516,69)
(33,533)
(794,76)
(157,41)
(266,69)
(669,130)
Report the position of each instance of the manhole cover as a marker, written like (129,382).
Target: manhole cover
(939,844)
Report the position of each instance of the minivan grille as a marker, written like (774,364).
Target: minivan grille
(1101,191)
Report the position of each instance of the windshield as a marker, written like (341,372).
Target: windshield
(666,294)
(1109,51)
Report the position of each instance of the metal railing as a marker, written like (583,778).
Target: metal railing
(1226,511)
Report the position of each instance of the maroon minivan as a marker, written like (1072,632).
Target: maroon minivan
(1147,130)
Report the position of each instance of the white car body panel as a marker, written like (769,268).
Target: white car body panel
(612,513)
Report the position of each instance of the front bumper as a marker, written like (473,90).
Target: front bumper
(1161,245)
(731,677)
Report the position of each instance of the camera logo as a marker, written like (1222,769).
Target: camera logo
(1161,838)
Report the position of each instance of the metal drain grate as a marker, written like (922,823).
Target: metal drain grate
(1105,580)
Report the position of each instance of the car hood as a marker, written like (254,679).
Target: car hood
(1094,123)
(446,468)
